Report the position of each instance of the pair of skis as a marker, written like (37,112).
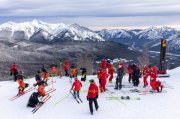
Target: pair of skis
(152,92)
(123,86)
(46,98)
(25,92)
(50,91)
(78,99)
(41,104)
(122,98)
(133,91)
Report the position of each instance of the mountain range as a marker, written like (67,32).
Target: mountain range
(42,32)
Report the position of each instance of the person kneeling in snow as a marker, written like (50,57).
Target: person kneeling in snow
(92,96)
(33,100)
(157,86)
(76,87)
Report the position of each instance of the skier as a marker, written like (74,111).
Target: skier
(121,64)
(153,77)
(45,76)
(43,68)
(145,75)
(14,71)
(120,73)
(22,85)
(54,70)
(66,67)
(99,74)
(83,73)
(92,96)
(158,86)
(130,70)
(76,87)
(14,66)
(103,64)
(136,75)
(103,81)
(41,86)
(111,72)
(73,71)
(38,76)
(33,100)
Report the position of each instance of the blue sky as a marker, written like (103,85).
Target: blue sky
(96,14)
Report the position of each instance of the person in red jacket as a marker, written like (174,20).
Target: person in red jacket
(145,75)
(153,76)
(104,64)
(111,72)
(76,87)
(103,78)
(92,96)
(14,71)
(66,67)
(45,77)
(41,88)
(130,71)
(21,83)
(54,71)
(99,75)
(158,86)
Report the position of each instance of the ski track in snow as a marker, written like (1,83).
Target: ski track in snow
(156,106)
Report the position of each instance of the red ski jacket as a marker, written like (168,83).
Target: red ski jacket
(14,66)
(41,90)
(146,70)
(93,91)
(130,70)
(110,66)
(154,73)
(103,64)
(104,77)
(111,71)
(66,65)
(21,83)
(76,85)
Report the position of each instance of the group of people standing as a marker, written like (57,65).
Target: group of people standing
(147,71)
(106,72)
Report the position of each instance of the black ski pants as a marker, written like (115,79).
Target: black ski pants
(91,101)
(118,83)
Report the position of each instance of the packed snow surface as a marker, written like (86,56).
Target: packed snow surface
(151,106)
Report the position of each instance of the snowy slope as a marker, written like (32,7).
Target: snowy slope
(156,106)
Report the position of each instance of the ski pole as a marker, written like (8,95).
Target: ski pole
(52,83)
(67,95)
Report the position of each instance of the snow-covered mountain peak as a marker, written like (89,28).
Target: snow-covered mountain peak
(48,31)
